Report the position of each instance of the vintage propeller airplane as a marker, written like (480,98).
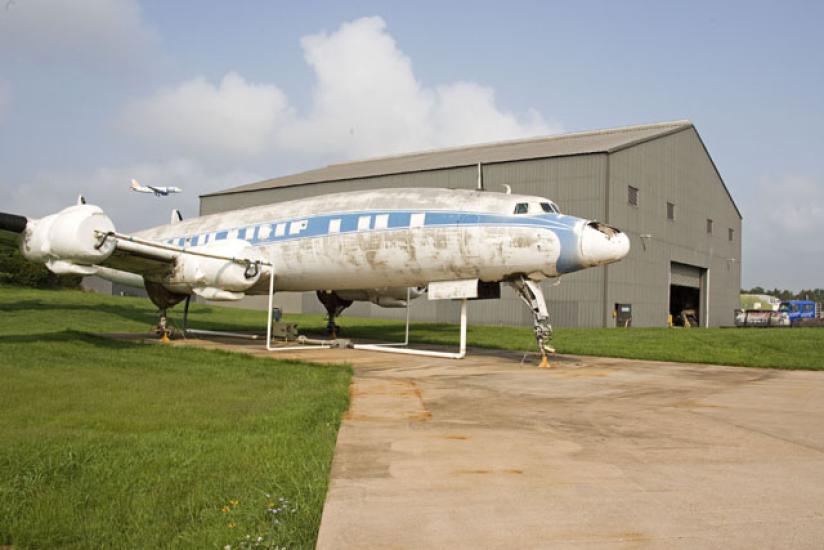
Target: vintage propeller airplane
(362,245)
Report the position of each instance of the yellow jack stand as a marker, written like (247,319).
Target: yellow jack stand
(544,364)
(165,338)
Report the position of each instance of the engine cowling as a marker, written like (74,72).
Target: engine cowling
(72,236)
(214,278)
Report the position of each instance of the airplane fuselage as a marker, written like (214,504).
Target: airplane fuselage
(398,237)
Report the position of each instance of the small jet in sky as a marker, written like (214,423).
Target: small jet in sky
(158,191)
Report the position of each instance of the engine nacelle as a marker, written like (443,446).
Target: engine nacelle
(72,236)
(220,279)
(384,297)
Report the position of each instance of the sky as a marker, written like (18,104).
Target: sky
(207,96)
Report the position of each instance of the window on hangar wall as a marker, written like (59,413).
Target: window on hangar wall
(632,195)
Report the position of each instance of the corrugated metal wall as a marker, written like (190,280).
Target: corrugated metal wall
(673,168)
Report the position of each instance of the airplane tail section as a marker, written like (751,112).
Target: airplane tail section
(135,186)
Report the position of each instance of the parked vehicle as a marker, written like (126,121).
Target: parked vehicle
(797,310)
(762,318)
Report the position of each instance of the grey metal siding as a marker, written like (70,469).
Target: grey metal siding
(464,178)
(572,182)
(675,169)
(670,168)
(685,275)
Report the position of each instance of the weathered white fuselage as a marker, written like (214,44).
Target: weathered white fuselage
(400,237)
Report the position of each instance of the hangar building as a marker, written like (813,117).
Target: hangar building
(657,182)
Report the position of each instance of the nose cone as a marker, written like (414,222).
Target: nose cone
(603,244)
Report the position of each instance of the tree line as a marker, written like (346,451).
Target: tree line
(814,294)
(16,270)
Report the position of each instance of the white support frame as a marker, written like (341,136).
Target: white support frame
(387,348)
(269,346)
(399,347)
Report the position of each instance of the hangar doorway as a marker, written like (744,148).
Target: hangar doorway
(686,294)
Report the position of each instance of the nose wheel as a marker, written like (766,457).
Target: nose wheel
(532,295)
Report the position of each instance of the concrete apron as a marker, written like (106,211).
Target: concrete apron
(489,453)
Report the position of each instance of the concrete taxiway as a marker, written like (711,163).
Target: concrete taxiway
(488,452)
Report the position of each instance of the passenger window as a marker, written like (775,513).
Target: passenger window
(521,208)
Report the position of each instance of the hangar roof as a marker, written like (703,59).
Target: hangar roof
(577,143)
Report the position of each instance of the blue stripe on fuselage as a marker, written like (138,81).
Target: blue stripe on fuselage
(318,226)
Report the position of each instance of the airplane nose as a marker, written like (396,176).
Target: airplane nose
(603,244)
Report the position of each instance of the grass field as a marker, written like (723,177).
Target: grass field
(797,348)
(116,445)
(112,444)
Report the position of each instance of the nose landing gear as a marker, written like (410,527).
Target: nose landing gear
(532,295)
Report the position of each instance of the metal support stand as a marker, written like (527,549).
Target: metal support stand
(409,351)
(269,346)
(202,332)
(406,330)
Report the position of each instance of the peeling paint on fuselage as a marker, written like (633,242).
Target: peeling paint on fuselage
(393,237)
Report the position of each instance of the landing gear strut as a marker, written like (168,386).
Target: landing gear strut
(532,295)
(162,328)
(334,305)
(163,299)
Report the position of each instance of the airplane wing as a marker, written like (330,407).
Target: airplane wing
(146,260)
(147,257)
(81,239)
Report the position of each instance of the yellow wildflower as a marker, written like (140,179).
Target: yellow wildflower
(225,509)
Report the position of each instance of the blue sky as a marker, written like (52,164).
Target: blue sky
(209,95)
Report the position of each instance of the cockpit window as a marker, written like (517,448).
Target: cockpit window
(549,208)
(522,208)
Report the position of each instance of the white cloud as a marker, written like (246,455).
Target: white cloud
(782,223)
(5,99)
(467,110)
(235,117)
(795,205)
(49,192)
(99,30)
(366,101)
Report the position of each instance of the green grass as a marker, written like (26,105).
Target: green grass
(112,444)
(796,348)
(119,445)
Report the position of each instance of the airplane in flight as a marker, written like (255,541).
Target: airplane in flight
(361,245)
(158,191)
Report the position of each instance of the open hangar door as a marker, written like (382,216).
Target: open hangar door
(686,294)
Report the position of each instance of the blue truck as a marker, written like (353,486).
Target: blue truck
(799,310)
